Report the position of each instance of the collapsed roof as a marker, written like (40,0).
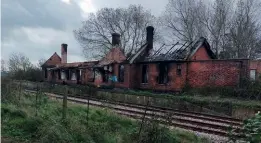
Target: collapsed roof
(176,52)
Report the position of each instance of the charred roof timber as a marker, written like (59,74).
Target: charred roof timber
(182,53)
(116,39)
(179,53)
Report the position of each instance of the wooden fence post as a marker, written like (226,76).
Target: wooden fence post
(143,118)
(88,103)
(65,103)
(20,88)
(36,100)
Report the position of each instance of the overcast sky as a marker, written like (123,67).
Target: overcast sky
(38,27)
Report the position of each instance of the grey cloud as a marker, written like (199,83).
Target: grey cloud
(39,13)
(62,18)
(43,14)
(35,50)
(155,6)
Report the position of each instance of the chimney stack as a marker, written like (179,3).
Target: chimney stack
(149,38)
(116,40)
(64,53)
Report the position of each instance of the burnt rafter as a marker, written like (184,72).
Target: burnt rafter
(182,52)
(167,52)
(172,47)
(158,51)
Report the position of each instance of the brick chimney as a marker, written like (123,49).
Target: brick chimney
(64,53)
(149,38)
(116,39)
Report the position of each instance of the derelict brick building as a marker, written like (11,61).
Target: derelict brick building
(167,68)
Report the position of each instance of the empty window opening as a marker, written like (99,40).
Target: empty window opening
(53,74)
(253,75)
(73,75)
(144,74)
(78,74)
(67,72)
(45,73)
(63,75)
(90,75)
(163,73)
(83,74)
(178,69)
(105,76)
(121,73)
(93,72)
(59,74)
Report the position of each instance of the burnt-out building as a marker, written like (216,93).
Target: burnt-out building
(164,68)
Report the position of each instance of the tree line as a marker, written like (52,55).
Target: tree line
(232,27)
(19,67)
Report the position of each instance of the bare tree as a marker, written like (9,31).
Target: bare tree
(19,62)
(216,20)
(232,30)
(20,67)
(95,33)
(3,65)
(41,62)
(245,33)
(182,19)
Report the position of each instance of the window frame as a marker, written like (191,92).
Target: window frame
(144,74)
(67,74)
(121,74)
(105,77)
(164,76)
(45,73)
(59,74)
(179,70)
(255,73)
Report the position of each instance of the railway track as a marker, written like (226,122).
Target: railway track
(200,122)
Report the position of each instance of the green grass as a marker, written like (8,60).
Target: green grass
(200,99)
(197,98)
(23,121)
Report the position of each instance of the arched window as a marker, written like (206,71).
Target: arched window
(121,73)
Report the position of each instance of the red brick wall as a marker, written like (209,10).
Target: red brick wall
(56,80)
(200,54)
(127,72)
(255,65)
(49,76)
(125,84)
(198,74)
(135,76)
(115,55)
(87,74)
(176,82)
(214,73)
(53,60)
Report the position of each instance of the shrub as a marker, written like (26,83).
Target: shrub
(54,132)
(251,131)
(31,125)
(152,132)
(4,111)
(18,113)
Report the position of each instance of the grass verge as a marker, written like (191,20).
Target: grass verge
(26,120)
